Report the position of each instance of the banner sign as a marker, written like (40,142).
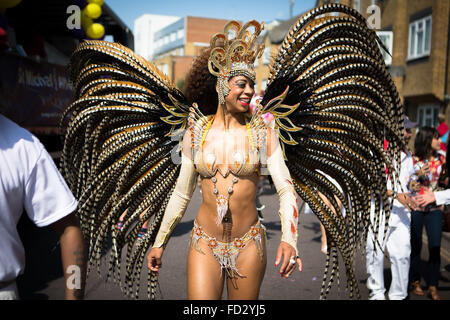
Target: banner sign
(33,94)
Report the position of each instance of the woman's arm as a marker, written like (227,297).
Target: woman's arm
(288,205)
(176,206)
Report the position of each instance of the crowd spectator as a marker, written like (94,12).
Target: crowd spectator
(428,166)
(397,240)
(30,181)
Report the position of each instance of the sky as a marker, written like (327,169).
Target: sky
(243,10)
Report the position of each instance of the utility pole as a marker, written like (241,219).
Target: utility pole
(291,8)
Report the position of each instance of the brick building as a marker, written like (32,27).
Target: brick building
(417,33)
(272,37)
(179,43)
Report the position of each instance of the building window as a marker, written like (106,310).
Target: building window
(180,33)
(182,51)
(173,36)
(419,38)
(387,37)
(266,56)
(427,115)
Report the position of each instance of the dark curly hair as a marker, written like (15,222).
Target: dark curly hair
(201,85)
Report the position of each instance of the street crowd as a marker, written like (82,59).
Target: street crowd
(418,204)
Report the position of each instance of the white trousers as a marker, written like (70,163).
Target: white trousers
(398,245)
(9,292)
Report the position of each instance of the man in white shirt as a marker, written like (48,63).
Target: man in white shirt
(30,181)
(397,240)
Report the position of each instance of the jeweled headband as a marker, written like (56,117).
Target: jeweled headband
(234,55)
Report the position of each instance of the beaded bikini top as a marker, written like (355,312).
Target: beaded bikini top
(242,164)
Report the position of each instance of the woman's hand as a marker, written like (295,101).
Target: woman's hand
(426,198)
(407,201)
(154,259)
(424,170)
(286,251)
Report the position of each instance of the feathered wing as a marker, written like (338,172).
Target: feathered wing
(334,103)
(120,140)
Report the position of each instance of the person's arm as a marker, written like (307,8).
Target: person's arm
(441,197)
(401,193)
(288,205)
(49,201)
(177,205)
(73,256)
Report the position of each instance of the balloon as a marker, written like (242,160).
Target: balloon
(93,10)
(99,2)
(5,4)
(86,21)
(95,31)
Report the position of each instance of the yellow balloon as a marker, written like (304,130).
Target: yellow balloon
(5,4)
(93,10)
(95,31)
(99,2)
(86,21)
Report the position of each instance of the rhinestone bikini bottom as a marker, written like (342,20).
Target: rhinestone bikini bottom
(226,253)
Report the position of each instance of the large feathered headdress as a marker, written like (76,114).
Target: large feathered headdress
(233,53)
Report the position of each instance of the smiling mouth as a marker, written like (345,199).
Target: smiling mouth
(245,103)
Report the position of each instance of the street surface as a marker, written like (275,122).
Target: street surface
(43,278)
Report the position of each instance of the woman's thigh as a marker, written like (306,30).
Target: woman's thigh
(252,266)
(205,279)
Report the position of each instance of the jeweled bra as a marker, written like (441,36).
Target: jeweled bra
(243,164)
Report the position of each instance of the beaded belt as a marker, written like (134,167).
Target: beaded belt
(226,253)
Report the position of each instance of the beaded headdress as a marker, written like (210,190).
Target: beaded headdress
(234,54)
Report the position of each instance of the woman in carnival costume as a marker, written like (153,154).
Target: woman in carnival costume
(135,145)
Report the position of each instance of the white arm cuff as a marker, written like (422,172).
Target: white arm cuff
(288,200)
(179,200)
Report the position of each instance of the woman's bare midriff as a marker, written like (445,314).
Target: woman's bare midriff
(241,205)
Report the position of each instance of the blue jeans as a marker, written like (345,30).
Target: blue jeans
(432,221)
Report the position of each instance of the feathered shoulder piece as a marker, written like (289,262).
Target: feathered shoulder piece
(334,105)
(121,133)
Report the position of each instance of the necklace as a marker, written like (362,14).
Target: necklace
(222,200)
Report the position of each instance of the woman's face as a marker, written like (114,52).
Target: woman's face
(436,143)
(241,92)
